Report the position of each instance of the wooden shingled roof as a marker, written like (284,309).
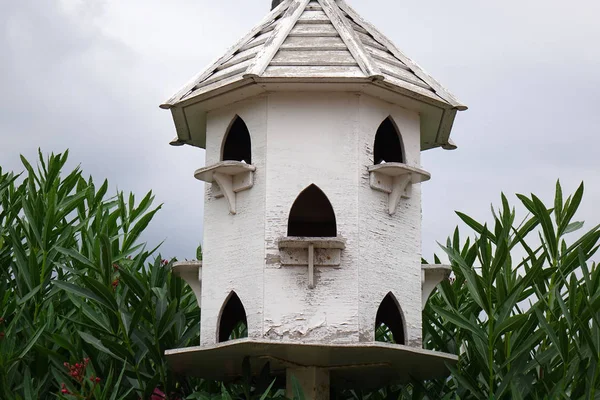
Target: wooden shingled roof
(314,40)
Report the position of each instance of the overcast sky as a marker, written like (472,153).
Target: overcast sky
(89,75)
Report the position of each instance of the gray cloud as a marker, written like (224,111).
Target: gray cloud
(89,75)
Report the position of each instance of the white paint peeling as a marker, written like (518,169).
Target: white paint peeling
(299,139)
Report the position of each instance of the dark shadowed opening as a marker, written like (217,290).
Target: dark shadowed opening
(388,146)
(312,215)
(389,324)
(233,323)
(237,146)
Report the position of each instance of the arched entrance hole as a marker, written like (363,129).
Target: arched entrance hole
(237,145)
(312,215)
(232,323)
(389,323)
(388,143)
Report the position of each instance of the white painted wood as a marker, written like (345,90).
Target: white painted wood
(398,169)
(314,72)
(225,73)
(314,6)
(311,266)
(321,30)
(226,185)
(433,275)
(317,242)
(230,168)
(204,74)
(313,17)
(396,180)
(315,121)
(231,177)
(369,41)
(313,43)
(380,362)
(386,57)
(417,92)
(239,57)
(439,89)
(214,87)
(403,75)
(191,273)
(347,34)
(313,58)
(299,257)
(257,41)
(283,28)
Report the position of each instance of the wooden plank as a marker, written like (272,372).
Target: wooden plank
(215,85)
(268,28)
(313,6)
(257,41)
(314,43)
(239,57)
(349,37)
(418,90)
(311,266)
(189,86)
(313,17)
(226,73)
(318,57)
(356,26)
(369,41)
(386,57)
(280,33)
(439,89)
(404,75)
(320,30)
(314,72)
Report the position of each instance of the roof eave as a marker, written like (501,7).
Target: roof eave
(189,115)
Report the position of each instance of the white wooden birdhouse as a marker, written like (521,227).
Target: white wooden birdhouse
(313,125)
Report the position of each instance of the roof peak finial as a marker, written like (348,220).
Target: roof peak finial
(275,3)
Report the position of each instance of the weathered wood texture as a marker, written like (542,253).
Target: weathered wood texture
(316,39)
(327,140)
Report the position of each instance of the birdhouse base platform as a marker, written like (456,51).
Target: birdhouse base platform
(360,365)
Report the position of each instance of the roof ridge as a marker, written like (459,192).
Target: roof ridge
(270,18)
(280,33)
(417,70)
(354,45)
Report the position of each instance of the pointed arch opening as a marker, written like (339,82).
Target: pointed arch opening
(388,143)
(389,322)
(312,215)
(237,145)
(232,322)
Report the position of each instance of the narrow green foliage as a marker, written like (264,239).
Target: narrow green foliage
(522,307)
(76,284)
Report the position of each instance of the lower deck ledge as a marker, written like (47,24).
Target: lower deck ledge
(359,365)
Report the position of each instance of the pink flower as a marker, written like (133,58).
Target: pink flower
(158,395)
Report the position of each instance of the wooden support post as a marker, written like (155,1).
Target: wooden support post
(313,381)
(311,266)
(400,184)
(226,184)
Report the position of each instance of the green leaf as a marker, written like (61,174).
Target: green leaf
(29,295)
(97,344)
(297,392)
(80,291)
(32,341)
(460,321)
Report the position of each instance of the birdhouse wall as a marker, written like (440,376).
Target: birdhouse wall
(233,258)
(389,254)
(302,139)
(312,139)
